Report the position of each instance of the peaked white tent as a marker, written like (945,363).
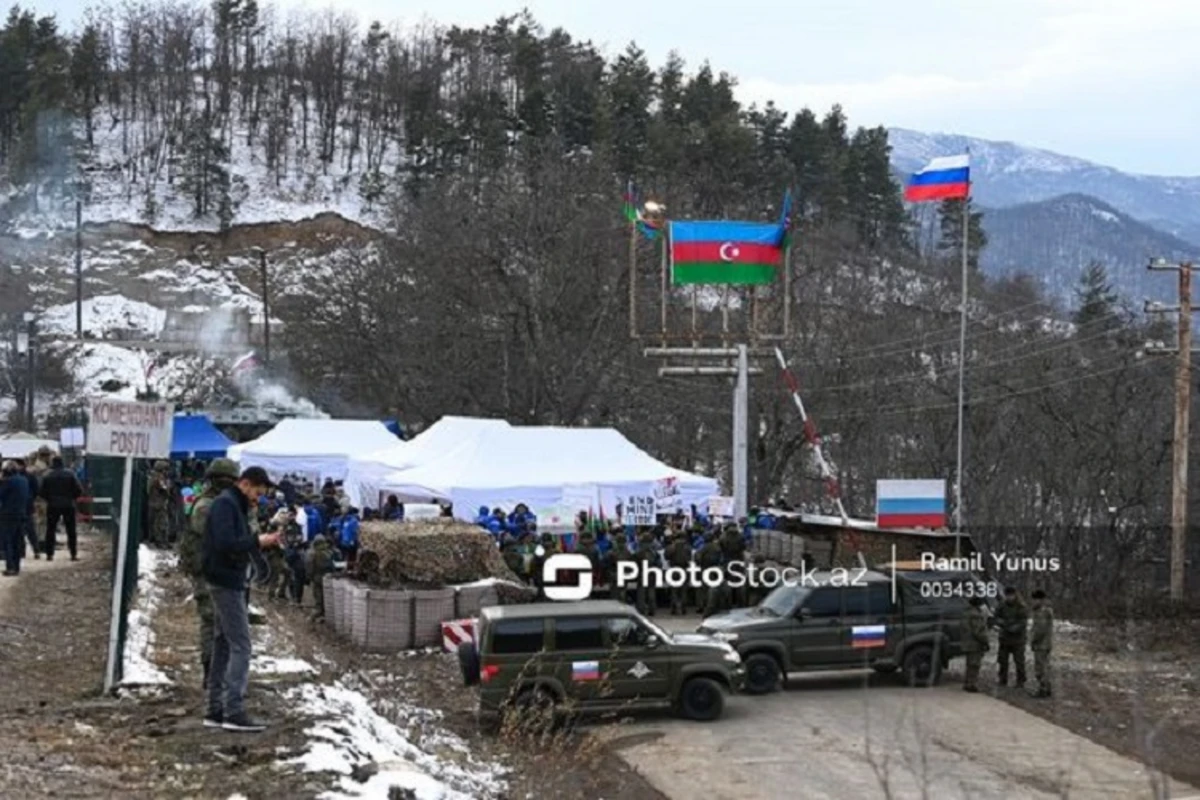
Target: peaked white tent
(365,473)
(318,447)
(563,469)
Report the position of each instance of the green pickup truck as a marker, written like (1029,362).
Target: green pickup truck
(885,620)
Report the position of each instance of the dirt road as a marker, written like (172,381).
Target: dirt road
(854,736)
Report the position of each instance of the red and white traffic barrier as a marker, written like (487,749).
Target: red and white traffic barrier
(457,631)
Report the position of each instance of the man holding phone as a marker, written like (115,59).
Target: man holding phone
(226,554)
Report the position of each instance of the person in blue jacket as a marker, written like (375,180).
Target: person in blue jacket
(348,536)
(314,520)
(482,517)
(393,509)
(14,499)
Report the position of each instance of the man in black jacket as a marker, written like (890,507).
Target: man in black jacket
(60,489)
(225,556)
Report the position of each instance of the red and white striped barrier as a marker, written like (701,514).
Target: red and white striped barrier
(457,631)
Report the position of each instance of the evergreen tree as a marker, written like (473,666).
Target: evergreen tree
(630,93)
(1097,300)
(951,240)
(89,65)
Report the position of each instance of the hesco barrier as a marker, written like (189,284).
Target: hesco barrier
(386,620)
(789,548)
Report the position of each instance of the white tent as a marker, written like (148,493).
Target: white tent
(319,448)
(551,470)
(19,445)
(364,472)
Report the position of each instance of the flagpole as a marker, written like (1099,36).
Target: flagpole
(632,268)
(962,359)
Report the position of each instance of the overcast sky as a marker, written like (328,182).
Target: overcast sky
(1114,81)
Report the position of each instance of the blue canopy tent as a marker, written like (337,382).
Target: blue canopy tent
(195,437)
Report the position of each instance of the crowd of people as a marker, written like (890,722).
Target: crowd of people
(677,541)
(37,495)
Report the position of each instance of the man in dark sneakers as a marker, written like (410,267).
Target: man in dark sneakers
(225,557)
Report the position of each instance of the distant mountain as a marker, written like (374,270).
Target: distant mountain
(1006,174)
(1056,239)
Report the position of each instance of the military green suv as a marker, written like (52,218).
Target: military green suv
(595,655)
(911,625)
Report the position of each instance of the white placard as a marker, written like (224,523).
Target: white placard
(666,496)
(130,430)
(637,509)
(70,437)
(720,506)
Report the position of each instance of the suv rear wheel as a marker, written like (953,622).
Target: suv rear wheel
(702,699)
(468,662)
(921,668)
(762,673)
(532,711)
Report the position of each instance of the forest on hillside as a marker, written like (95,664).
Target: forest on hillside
(496,158)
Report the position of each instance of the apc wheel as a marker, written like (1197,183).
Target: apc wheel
(762,673)
(921,668)
(702,699)
(468,662)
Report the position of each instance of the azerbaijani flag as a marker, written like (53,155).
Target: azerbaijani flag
(633,214)
(868,636)
(730,253)
(943,178)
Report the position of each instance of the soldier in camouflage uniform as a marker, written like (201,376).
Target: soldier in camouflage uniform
(974,640)
(646,555)
(1041,640)
(159,491)
(679,554)
(320,564)
(733,548)
(38,466)
(709,556)
(221,474)
(1012,621)
(619,553)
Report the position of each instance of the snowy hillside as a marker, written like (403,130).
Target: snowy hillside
(1071,232)
(1006,174)
(170,313)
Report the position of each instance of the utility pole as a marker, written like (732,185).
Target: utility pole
(741,403)
(1183,400)
(30,422)
(79,270)
(266,306)
(741,410)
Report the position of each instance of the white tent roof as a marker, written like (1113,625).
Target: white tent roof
(19,444)
(313,446)
(364,473)
(543,467)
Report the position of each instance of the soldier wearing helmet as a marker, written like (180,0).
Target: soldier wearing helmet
(220,475)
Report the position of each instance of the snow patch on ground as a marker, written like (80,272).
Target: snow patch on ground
(348,733)
(137,669)
(102,315)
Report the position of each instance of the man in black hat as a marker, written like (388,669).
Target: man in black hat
(226,559)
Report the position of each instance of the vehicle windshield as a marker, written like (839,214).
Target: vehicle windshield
(662,635)
(783,600)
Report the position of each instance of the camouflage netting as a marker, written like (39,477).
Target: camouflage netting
(429,553)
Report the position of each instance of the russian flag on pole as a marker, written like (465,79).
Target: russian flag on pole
(910,504)
(943,178)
